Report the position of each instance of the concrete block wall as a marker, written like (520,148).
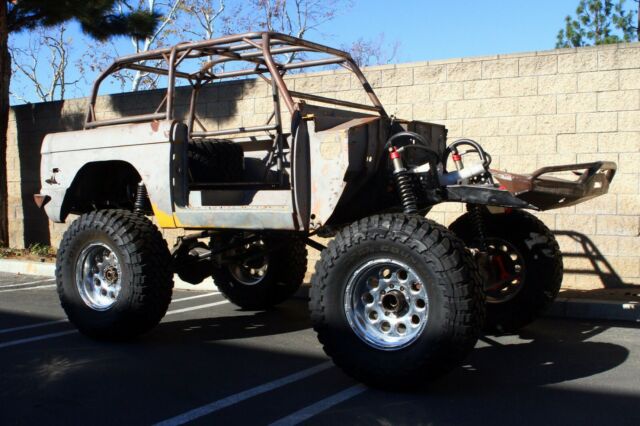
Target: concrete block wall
(528,110)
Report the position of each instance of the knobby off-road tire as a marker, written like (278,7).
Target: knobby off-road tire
(439,332)
(215,161)
(527,240)
(112,274)
(283,272)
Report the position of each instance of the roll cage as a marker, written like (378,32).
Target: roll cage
(265,52)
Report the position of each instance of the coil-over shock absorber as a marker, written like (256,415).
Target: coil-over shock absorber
(476,213)
(403,183)
(141,198)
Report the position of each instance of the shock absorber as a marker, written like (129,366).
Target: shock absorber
(141,198)
(403,183)
(478,224)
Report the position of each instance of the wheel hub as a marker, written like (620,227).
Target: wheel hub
(386,304)
(394,302)
(98,276)
(508,268)
(111,274)
(252,269)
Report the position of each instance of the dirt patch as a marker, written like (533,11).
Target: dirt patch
(35,253)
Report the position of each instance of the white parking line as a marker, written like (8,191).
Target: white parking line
(193,308)
(244,395)
(46,323)
(52,335)
(320,406)
(35,338)
(38,287)
(27,283)
(27,327)
(182,299)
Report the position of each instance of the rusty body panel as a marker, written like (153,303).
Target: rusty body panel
(339,154)
(145,146)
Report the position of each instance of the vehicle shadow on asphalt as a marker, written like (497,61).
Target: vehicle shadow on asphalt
(180,365)
(506,379)
(517,380)
(287,318)
(542,356)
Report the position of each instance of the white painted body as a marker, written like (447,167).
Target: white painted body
(146,146)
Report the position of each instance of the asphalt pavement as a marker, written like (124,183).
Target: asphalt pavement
(209,362)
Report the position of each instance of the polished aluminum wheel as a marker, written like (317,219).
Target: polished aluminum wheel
(386,304)
(509,271)
(98,276)
(253,268)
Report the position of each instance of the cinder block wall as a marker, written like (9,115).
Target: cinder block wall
(527,109)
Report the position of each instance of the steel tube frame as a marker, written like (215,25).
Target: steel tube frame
(325,100)
(250,129)
(125,120)
(254,47)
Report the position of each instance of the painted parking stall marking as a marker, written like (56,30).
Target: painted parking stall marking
(316,408)
(27,283)
(62,321)
(199,296)
(26,340)
(31,285)
(194,308)
(30,326)
(244,395)
(35,338)
(40,287)
(214,406)
(42,334)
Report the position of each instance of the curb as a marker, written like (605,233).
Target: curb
(28,267)
(594,309)
(590,309)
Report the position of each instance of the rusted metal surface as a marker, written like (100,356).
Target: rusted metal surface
(146,146)
(549,192)
(259,49)
(235,130)
(334,149)
(126,120)
(333,101)
(256,217)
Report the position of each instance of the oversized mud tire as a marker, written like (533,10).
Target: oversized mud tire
(269,280)
(215,161)
(529,254)
(112,274)
(396,300)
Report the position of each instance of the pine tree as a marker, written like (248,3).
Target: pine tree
(98,18)
(598,22)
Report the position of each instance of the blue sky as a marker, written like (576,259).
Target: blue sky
(430,29)
(426,30)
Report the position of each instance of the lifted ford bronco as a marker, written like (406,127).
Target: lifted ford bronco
(395,299)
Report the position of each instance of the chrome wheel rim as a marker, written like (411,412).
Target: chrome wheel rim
(98,276)
(509,270)
(253,269)
(386,304)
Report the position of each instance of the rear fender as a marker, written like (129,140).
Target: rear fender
(146,147)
